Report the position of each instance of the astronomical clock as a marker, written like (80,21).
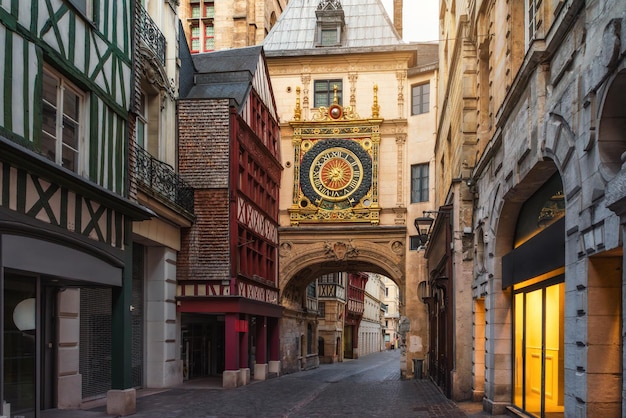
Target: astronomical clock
(335,167)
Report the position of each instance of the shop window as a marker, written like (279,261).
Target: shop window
(539,348)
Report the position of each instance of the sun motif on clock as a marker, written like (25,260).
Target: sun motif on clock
(336,174)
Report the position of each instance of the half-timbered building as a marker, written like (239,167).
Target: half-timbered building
(355,307)
(228,269)
(65,216)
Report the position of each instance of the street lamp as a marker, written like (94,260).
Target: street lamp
(423,224)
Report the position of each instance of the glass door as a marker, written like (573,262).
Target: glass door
(539,350)
(20,344)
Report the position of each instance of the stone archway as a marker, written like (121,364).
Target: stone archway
(307,252)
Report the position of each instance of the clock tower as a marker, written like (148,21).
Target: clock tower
(336,157)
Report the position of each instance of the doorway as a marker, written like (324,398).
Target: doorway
(202,348)
(29,341)
(539,348)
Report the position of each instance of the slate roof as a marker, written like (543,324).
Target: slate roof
(367,26)
(231,74)
(224,74)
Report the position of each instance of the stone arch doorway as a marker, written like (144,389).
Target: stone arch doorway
(529,269)
(307,253)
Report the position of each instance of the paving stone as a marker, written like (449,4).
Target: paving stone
(368,387)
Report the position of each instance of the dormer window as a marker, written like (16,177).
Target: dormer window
(330,23)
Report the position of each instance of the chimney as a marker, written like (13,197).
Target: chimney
(397,16)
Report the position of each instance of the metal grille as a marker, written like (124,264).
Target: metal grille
(137,316)
(95,341)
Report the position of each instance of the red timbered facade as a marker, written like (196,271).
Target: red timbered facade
(228,281)
(355,307)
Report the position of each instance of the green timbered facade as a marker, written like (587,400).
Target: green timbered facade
(65,216)
(54,35)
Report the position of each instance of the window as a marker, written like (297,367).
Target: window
(142,122)
(195,38)
(420,99)
(209,38)
(414,243)
(61,136)
(195,10)
(419,183)
(329,37)
(325,92)
(534,18)
(209,10)
(330,22)
(321,309)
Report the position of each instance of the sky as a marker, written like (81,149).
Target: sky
(420,19)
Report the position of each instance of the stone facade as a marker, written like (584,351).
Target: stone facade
(370,330)
(157,186)
(536,103)
(234,23)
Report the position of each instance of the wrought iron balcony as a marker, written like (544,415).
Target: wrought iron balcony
(162,179)
(150,33)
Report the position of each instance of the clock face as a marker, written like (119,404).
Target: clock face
(336,174)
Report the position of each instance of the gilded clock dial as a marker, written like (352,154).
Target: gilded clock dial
(336,173)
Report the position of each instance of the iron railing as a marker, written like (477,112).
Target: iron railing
(162,179)
(150,33)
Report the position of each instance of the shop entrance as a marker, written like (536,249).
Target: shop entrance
(202,348)
(539,348)
(29,339)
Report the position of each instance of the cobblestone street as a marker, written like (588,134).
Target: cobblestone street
(367,387)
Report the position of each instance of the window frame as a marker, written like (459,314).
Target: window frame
(419,106)
(142,119)
(205,37)
(328,92)
(61,118)
(417,195)
(193,37)
(414,243)
(533,19)
(208,11)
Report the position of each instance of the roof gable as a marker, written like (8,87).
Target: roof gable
(232,74)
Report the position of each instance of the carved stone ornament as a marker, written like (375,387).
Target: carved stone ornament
(340,250)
